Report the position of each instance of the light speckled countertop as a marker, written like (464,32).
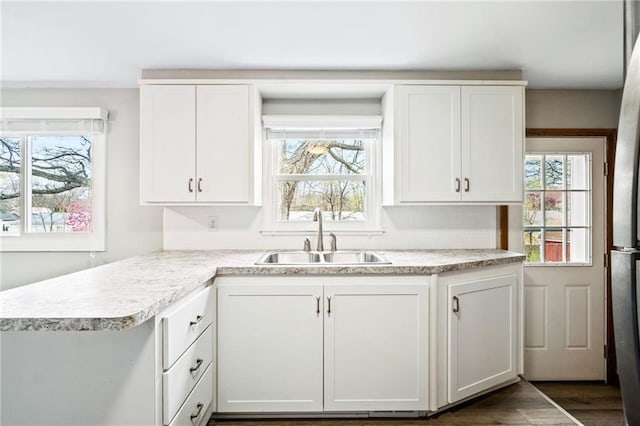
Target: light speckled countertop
(126,293)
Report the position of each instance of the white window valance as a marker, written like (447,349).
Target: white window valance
(321,127)
(53,120)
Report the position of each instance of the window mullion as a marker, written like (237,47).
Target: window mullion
(26,184)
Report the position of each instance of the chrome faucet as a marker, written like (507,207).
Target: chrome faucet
(317,217)
(334,241)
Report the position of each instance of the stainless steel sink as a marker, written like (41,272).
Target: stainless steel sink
(339,257)
(289,258)
(353,257)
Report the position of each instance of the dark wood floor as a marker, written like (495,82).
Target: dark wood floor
(518,404)
(592,403)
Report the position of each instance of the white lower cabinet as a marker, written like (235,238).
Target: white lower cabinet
(481,329)
(322,344)
(188,348)
(269,345)
(376,346)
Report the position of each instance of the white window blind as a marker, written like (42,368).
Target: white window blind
(321,127)
(53,120)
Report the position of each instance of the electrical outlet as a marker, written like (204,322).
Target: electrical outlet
(213,223)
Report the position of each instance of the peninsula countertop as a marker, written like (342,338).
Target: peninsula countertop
(128,292)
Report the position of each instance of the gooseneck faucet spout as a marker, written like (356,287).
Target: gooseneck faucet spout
(317,217)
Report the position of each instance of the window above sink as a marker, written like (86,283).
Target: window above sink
(331,162)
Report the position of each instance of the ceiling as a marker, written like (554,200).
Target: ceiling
(557,44)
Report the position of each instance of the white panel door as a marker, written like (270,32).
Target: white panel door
(167,143)
(492,143)
(564,274)
(223,147)
(376,347)
(429,143)
(269,346)
(482,334)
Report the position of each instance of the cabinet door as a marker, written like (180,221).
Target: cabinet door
(167,143)
(482,335)
(224,164)
(492,140)
(429,144)
(376,347)
(269,347)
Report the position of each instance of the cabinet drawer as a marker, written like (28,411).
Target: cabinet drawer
(195,407)
(182,325)
(179,380)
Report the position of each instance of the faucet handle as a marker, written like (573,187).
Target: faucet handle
(307,244)
(334,241)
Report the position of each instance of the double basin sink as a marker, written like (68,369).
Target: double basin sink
(338,257)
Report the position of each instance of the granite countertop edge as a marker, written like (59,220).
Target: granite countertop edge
(226,263)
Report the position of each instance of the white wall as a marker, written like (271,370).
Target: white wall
(404,227)
(131,229)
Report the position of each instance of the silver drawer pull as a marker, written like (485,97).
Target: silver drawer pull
(190,185)
(198,364)
(198,319)
(200,406)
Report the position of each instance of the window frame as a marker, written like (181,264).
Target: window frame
(565,228)
(373,178)
(59,241)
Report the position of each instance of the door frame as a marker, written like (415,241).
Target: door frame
(610,152)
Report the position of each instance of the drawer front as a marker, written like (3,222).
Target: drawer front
(182,325)
(195,407)
(180,379)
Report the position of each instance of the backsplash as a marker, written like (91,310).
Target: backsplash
(429,227)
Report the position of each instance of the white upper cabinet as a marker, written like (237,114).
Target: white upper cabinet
(197,144)
(492,141)
(458,144)
(429,143)
(167,143)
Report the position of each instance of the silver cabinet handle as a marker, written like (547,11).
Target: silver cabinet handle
(194,416)
(190,184)
(318,305)
(457,184)
(329,306)
(200,185)
(198,364)
(456,304)
(466,185)
(198,319)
